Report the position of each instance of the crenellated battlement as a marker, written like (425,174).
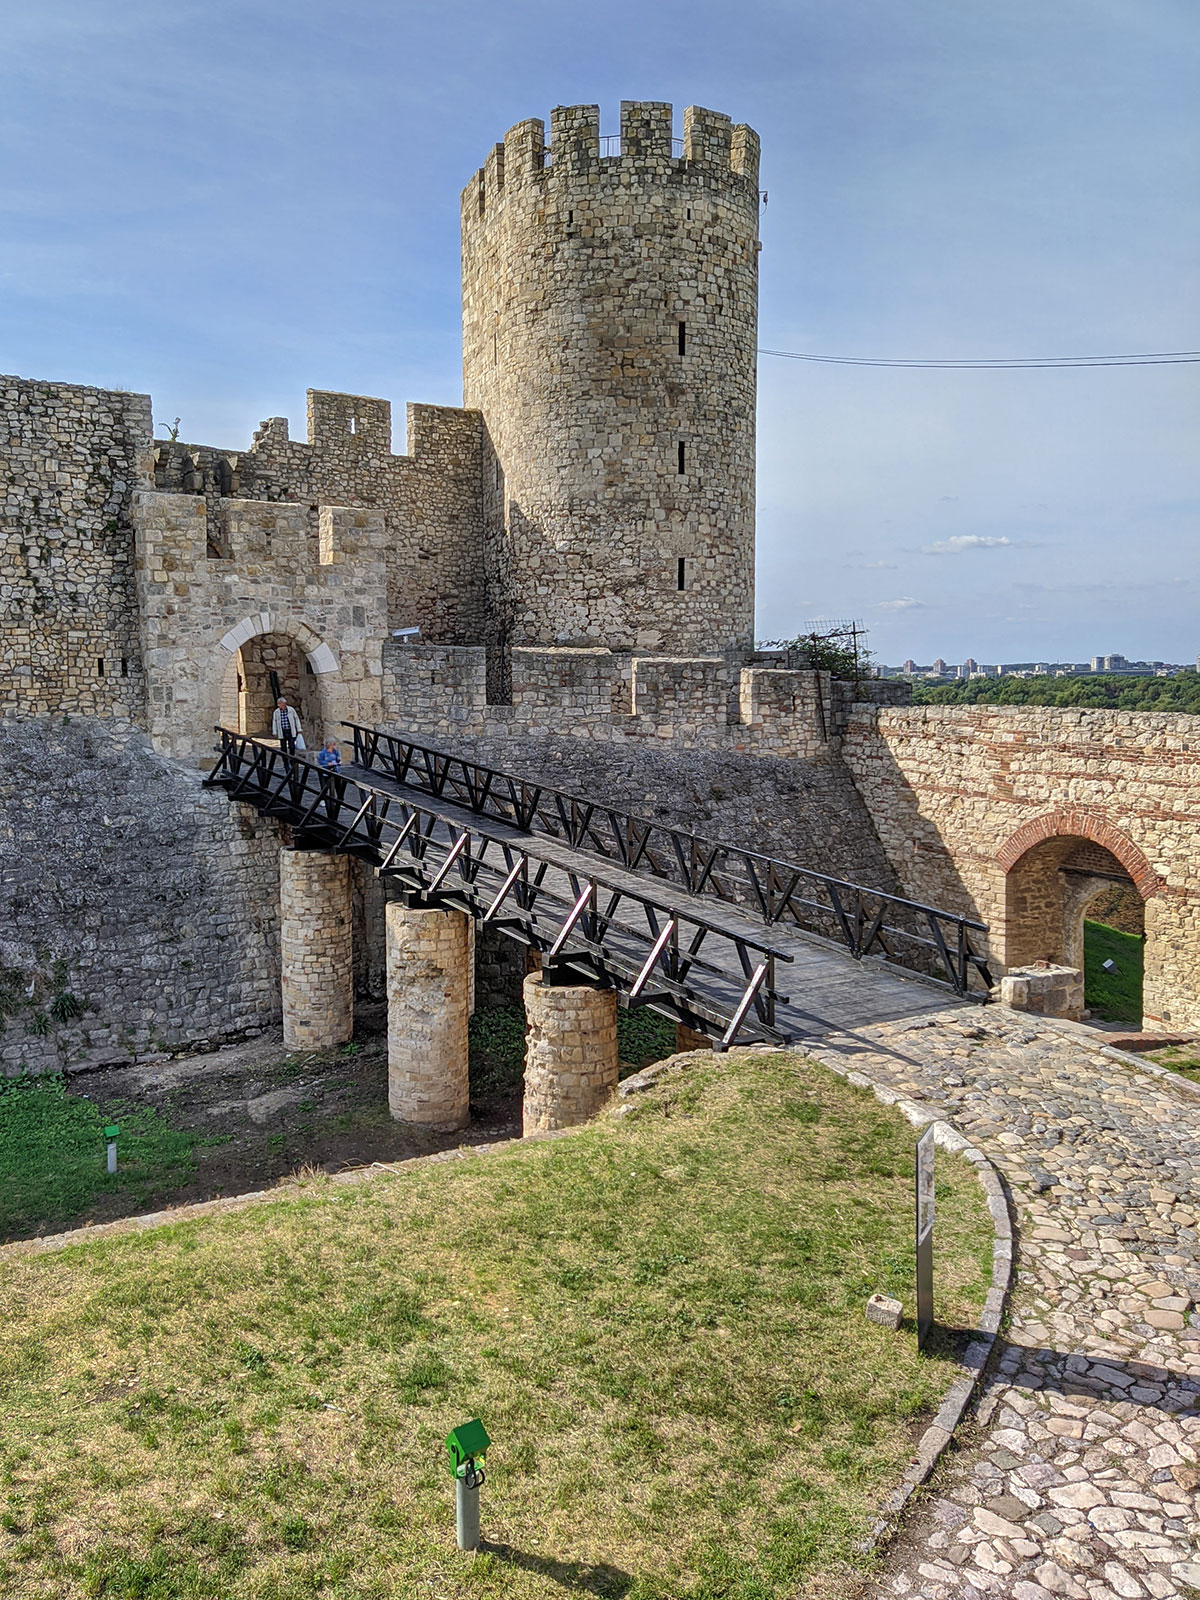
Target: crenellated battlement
(713,151)
(700,703)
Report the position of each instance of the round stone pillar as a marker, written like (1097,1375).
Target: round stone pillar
(316,949)
(570,1052)
(428,989)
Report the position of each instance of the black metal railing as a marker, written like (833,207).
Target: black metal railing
(922,938)
(658,951)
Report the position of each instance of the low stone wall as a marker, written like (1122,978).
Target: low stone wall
(439,692)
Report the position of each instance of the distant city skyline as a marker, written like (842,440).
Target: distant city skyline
(280,210)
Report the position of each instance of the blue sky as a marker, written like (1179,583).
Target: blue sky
(225,203)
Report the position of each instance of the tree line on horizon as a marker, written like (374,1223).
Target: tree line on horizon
(1103,691)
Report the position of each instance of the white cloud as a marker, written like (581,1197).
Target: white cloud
(964,541)
(905,603)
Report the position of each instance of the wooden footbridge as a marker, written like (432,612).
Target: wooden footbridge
(727,941)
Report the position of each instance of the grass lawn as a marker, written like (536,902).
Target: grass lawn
(53,1154)
(1116,995)
(659,1317)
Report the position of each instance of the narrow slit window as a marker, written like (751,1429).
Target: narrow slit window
(570,216)
(682,457)
(100,667)
(353,424)
(683,338)
(124,666)
(681,573)
(495,347)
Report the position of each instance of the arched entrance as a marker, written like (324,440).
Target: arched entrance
(1075,893)
(261,669)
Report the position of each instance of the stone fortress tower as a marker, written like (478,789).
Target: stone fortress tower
(610,301)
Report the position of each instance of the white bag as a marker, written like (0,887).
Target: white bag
(300,744)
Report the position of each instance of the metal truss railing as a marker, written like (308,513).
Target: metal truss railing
(655,951)
(867,921)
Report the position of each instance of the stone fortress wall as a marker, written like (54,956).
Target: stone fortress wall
(535,538)
(994,810)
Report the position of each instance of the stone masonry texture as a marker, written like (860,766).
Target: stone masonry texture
(979,806)
(584,609)
(316,949)
(610,300)
(428,1010)
(151,901)
(571,1061)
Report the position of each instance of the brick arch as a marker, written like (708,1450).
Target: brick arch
(1068,822)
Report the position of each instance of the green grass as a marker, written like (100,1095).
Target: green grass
(1181,1058)
(659,1317)
(53,1154)
(1116,995)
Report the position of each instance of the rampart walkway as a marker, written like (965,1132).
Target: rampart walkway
(1081,1480)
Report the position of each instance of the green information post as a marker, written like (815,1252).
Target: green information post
(110,1134)
(467,1445)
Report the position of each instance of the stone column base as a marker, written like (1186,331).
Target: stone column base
(428,985)
(316,949)
(570,1053)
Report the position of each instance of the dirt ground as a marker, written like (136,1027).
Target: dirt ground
(261,1113)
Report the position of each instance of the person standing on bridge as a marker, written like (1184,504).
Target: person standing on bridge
(329,757)
(285,726)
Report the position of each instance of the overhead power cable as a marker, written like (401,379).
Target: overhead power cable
(1154,358)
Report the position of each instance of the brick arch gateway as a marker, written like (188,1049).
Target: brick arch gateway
(1057,866)
(971,803)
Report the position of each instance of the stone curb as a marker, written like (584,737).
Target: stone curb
(975,1358)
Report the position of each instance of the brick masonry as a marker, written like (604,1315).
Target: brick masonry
(571,1062)
(316,949)
(978,807)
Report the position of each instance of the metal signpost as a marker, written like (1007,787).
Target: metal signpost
(466,1445)
(925,1216)
(110,1135)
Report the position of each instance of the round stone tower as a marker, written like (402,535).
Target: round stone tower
(610,305)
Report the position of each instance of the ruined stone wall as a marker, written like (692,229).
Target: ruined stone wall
(963,795)
(70,460)
(138,911)
(610,302)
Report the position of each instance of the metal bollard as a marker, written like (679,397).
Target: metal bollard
(466,1445)
(467,1509)
(110,1133)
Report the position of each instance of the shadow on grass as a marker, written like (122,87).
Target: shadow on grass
(583,1577)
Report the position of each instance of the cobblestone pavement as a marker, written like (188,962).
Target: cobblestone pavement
(1081,1477)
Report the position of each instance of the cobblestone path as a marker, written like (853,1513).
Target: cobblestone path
(1080,1476)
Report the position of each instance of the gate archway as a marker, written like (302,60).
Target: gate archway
(1058,870)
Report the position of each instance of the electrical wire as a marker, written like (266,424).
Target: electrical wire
(1157,358)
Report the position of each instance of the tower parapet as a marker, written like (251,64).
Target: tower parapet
(610,298)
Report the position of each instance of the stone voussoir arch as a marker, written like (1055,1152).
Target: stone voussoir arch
(1072,821)
(320,657)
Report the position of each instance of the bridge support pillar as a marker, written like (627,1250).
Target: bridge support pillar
(690,1039)
(315,948)
(428,989)
(570,1052)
